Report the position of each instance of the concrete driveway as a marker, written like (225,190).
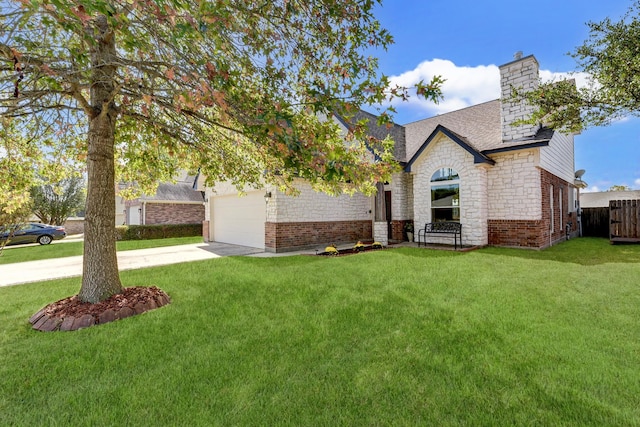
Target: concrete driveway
(35,271)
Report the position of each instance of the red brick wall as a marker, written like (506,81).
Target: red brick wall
(205,231)
(517,233)
(74,226)
(288,236)
(173,213)
(559,231)
(397,230)
(536,233)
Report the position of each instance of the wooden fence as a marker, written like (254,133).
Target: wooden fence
(595,222)
(624,218)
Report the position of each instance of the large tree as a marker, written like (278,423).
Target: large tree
(611,58)
(239,89)
(19,173)
(54,203)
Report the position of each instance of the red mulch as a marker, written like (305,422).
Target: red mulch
(70,314)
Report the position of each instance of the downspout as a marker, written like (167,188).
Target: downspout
(144,214)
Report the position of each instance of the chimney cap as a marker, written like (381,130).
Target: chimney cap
(517,55)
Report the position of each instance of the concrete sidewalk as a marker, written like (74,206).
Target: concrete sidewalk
(57,268)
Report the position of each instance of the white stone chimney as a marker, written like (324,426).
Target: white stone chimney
(521,74)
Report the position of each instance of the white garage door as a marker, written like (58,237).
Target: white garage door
(134,215)
(239,220)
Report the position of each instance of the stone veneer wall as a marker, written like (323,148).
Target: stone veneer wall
(313,206)
(514,186)
(173,213)
(444,153)
(521,74)
(313,218)
(535,233)
(401,187)
(401,197)
(289,236)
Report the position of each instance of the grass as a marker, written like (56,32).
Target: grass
(396,337)
(12,254)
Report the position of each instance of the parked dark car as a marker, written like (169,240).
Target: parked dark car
(33,232)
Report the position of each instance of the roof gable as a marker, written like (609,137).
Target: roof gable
(180,192)
(478,123)
(394,131)
(478,157)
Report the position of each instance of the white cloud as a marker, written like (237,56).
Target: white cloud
(592,189)
(582,79)
(636,183)
(464,86)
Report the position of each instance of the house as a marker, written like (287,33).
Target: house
(601,199)
(172,203)
(507,185)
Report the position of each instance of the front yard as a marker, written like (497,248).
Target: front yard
(22,253)
(394,337)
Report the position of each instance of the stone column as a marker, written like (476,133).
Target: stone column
(380,232)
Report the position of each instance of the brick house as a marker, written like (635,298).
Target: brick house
(507,185)
(175,203)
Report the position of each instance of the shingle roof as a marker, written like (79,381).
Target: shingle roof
(458,139)
(396,131)
(479,126)
(179,192)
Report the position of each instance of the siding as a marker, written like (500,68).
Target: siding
(558,157)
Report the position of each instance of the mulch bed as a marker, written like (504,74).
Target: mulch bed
(351,251)
(70,314)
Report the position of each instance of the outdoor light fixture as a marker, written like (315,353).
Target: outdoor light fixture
(267,196)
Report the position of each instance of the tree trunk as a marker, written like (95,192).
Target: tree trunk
(100,277)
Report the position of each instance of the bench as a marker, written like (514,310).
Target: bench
(439,228)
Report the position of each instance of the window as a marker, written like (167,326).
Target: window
(445,195)
(551,208)
(560,206)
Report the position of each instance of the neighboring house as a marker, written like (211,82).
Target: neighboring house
(507,185)
(175,203)
(120,209)
(601,199)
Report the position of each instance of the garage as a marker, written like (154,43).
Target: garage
(239,220)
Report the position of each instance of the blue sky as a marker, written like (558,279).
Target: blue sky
(465,42)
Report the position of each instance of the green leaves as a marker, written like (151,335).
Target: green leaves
(611,57)
(243,90)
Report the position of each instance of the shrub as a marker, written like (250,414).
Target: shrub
(358,246)
(157,231)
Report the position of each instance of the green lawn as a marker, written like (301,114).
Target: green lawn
(11,254)
(400,337)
